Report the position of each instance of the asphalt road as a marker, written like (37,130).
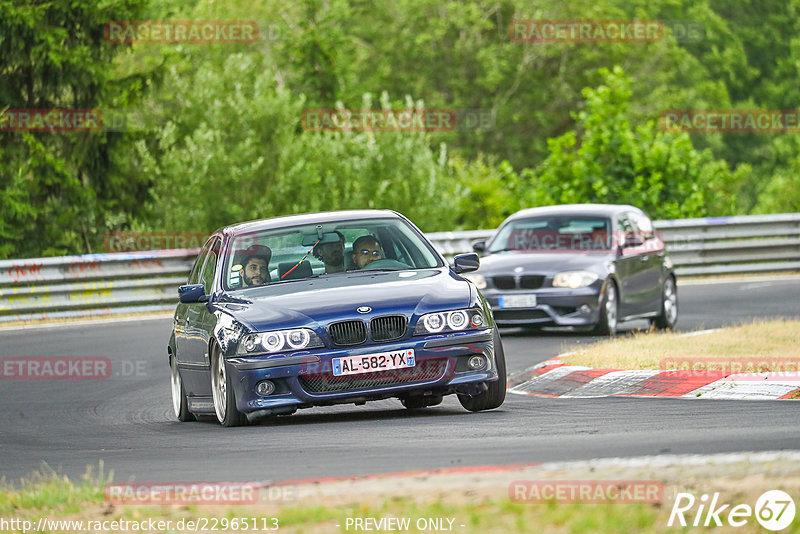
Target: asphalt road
(126,420)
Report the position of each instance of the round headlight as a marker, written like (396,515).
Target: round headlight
(457,320)
(250,343)
(298,339)
(273,341)
(434,322)
(477,320)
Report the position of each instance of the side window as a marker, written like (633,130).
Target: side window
(210,266)
(641,225)
(194,275)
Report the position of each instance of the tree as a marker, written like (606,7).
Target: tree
(615,163)
(60,189)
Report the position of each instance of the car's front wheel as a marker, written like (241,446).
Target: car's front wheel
(494,396)
(609,306)
(222,392)
(180,403)
(669,306)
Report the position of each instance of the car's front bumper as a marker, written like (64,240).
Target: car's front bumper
(554,307)
(305,378)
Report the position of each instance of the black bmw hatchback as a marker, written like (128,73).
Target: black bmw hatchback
(582,265)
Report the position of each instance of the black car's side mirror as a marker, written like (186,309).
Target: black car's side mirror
(479,247)
(466,263)
(193,293)
(633,240)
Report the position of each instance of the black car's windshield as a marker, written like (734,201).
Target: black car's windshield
(301,252)
(553,234)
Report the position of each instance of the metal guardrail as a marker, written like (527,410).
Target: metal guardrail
(108,284)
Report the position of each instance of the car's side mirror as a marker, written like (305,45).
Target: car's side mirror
(633,240)
(479,247)
(193,293)
(466,263)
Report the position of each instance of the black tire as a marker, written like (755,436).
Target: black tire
(419,402)
(180,403)
(222,392)
(494,396)
(669,306)
(609,311)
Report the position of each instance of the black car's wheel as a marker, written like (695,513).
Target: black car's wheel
(494,396)
(180,404)
(222,392)
(669,306)
(419,402)
(609,306)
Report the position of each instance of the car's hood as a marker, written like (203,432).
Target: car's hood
(332,298)
(543,263)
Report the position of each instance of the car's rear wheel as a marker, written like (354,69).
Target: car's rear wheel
(180,403)
(669,306)
(419,402)
(609,306)
(222,392)
(494,396)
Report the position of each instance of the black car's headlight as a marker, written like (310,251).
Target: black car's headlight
(280,341)
(574,279)
(478,279)
(449,321)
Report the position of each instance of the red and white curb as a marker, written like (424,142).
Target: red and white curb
(552,378)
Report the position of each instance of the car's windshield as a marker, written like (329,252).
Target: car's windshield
(301,252)
(554,233)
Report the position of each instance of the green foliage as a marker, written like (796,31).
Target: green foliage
(615,163)
(60,189)
(220,140)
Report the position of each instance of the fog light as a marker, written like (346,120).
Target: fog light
(477,362)
(585,309)
(265,388)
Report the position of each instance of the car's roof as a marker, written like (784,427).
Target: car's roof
(606,210)
(306,218)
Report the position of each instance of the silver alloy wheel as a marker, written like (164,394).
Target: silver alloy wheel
(611,307)
(176,387)
(670,301)
(219,383)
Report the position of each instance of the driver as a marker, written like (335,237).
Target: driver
(332,255)
(255,265)
(366,249)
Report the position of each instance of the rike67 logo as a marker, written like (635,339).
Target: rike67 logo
(774,510)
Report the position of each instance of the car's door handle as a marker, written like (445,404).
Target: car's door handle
(645,257)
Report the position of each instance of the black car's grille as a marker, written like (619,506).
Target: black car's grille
(424,371)
(348,332)
(504,282)
(387,328)
(528,281)
(531,281)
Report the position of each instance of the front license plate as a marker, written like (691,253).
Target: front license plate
(369,363)
(517,301)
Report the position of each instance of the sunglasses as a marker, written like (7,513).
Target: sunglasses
(366,252)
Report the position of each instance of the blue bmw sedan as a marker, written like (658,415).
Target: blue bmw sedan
(329,308)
